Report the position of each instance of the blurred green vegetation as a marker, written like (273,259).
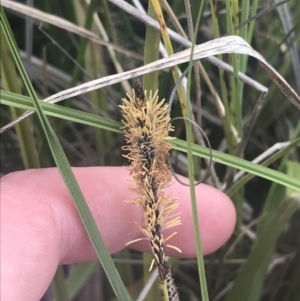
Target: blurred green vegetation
(261,260)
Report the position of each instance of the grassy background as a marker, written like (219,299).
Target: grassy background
(261,261)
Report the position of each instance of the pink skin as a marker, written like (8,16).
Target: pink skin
(41,229)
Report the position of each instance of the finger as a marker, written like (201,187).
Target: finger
(216,215)
(44,228)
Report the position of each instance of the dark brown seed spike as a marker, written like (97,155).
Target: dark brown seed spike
(162,270)
(139,92)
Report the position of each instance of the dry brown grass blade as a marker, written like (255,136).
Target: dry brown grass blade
(229,44)
(66,25)
(143,17)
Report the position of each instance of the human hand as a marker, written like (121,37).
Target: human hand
(40,227)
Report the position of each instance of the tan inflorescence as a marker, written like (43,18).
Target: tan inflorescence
(146,127)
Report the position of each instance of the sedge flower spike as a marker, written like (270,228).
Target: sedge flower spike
(146,126)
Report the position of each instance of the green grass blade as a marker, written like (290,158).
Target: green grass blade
(293,170)
(24,132)
(79,276)
(83,41)
(189,135)
(151,52)
(224,92)
(24,102)
(272,200)
(70,181)
(241,164)
(60,287)
(249,282)
(293,291)
(12,99)
(282,154)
